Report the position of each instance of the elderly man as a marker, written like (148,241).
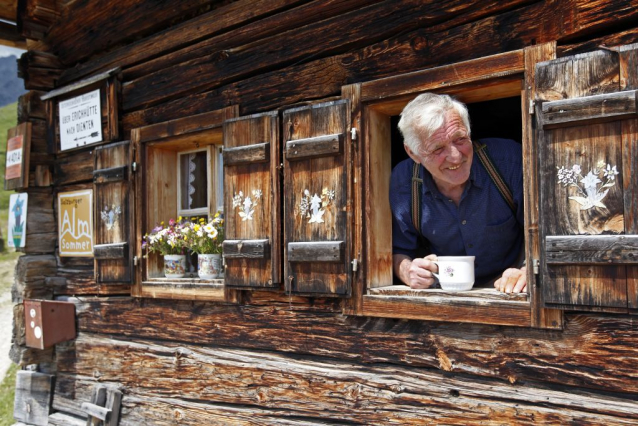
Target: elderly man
(457,202)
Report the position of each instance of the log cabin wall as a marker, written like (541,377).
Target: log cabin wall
(273,359)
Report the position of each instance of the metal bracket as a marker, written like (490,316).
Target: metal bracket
(531,106)
(355,265)
(536,266)
(134,166)
(353,133)
(134,260)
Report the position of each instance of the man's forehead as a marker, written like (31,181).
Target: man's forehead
(452,127)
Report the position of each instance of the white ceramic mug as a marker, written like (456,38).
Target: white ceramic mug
(456,273)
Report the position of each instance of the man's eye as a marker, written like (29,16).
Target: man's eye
(437,151)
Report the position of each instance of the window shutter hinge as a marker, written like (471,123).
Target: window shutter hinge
(134,166)
(536,266)
(531,106)
(355,265)
(135,260)
(353,133)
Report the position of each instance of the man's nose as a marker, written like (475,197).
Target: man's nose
(454,153)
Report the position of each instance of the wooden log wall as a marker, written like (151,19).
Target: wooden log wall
(279,360)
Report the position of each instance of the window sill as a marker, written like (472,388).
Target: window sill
(477,306)
(184,288)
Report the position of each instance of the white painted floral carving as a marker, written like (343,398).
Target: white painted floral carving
(314,206)
(246,204)
(110,215)
(591,188)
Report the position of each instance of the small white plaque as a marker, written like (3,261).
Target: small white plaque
(80,120)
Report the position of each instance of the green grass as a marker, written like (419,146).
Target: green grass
(7,395)
(8,119)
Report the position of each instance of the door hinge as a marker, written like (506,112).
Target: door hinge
(531,106)
(134,166)
(355,265)
(536,266)
(135,260)
(353,133)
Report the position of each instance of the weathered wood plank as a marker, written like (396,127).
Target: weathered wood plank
(75,167)
(33,396)
(319,146)
(111,174)
(480,293)
(592,249)
(252,249)
(590,109)
(316,251)
(508,353)
(255,153)
(355,29)
(228,19)
(111,251)
(324,77)
(326,389)
(99,30)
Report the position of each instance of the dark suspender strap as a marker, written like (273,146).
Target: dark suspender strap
(481,152)
(417,182)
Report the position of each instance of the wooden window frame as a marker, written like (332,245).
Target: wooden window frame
(373,103)
(176,136)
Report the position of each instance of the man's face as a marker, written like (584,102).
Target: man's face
(447,153)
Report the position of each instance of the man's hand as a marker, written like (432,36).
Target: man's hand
(513,281)
(417,273)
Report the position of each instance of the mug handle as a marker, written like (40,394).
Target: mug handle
(436,262)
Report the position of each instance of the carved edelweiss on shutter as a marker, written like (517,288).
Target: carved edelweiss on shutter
(317,237)
(113,189)
(252,211)
(587,127)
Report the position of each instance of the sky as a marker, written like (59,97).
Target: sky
(8,51)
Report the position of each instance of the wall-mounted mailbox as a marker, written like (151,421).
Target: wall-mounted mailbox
(48,322)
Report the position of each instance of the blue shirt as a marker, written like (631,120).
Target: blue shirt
(482,225)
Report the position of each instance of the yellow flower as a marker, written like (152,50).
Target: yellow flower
(196,227)
(179,218)
(162,223)
(216,214)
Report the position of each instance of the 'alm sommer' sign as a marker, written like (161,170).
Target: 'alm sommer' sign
(76,223)
(80,120)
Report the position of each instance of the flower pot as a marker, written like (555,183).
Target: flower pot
(174,265)
(209,266)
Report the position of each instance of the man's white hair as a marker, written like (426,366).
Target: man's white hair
(425,114)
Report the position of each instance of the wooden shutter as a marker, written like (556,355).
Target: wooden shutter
(317,205)
(587,129)
(113,188)
(251,201)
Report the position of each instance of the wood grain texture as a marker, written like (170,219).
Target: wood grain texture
(253,187)
(233,16)
(324,389)
(113,212)
(319,146)
(471,35)
(586,146)
(343,32)
(323,183)
(255,153)
(589,109)
(541,317)
(295,327)
(84,28)
(253,249)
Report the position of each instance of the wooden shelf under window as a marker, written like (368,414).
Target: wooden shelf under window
(184,288)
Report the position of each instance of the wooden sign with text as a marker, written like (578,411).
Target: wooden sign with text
(75,223)
(16,172)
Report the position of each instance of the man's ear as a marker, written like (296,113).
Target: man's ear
(412,155)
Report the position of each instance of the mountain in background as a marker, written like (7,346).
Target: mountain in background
(11,87)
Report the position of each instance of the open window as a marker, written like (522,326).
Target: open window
(178,170)
(497,92)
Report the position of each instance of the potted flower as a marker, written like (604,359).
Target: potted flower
(169,242)
(205,239)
